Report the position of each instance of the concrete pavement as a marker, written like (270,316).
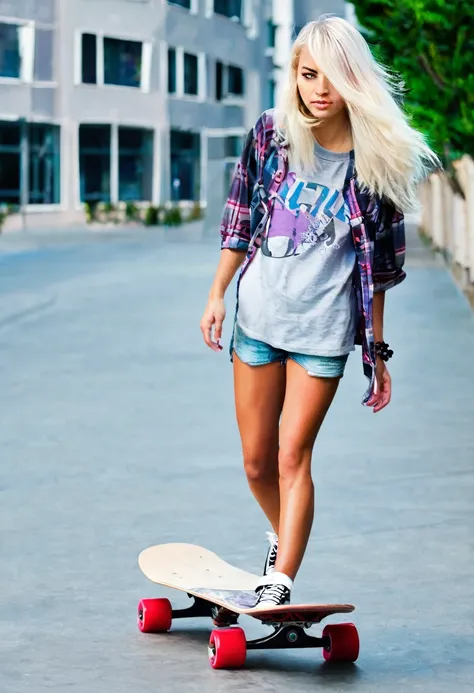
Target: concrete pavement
(117,432)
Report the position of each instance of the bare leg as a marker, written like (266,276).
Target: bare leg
(307,401)
(259,393)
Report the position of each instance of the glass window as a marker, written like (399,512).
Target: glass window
(94,162)
(89,59)
(271,34)
(271,93)
(171,71)
(229,8)
(10,60)
(236,80)
(135,164)
(122,62)
(44,178)
(233,146)
(182,3)
(191,81)
(219,81)
(10,163)
(185,154)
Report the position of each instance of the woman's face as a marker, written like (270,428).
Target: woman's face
(317,93)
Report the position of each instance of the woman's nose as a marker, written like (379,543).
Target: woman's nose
(322,86)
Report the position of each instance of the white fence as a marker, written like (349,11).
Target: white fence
(448,220)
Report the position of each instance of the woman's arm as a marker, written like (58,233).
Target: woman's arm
(214,313)
(383,383)
(378,310)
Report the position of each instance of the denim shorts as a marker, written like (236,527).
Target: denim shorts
(256,353)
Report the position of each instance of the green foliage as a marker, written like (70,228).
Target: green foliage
(90,210)
(173,217)
(132,213)
(108,208)
(430,43)
(152,216)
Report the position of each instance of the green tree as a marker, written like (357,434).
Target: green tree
(430,43)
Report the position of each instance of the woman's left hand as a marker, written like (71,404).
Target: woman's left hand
(382,392)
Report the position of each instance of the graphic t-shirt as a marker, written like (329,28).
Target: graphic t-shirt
(297,292)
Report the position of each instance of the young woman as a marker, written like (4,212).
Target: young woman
(314,222)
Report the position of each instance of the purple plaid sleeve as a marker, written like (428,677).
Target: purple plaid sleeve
(389,251)
(235,224)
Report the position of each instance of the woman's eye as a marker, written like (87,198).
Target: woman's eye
(308,75)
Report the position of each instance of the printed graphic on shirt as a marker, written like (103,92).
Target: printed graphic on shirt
(305,215)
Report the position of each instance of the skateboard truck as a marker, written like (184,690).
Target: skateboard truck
(221,617)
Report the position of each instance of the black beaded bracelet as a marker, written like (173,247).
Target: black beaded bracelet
(382,349)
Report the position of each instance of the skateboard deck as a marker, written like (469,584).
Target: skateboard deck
(202,574)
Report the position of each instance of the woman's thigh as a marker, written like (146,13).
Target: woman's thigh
(259,393)
(307,400)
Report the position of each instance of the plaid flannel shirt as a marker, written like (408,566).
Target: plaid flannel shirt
(377,227)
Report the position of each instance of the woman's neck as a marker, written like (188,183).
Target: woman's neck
(335,134)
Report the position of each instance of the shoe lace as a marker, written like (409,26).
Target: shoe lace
(273,593)
(272,556)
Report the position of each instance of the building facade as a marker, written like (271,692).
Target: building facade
(121,101)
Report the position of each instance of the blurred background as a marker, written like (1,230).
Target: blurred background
(135,102)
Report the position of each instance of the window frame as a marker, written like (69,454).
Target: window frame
(230,18)
(180,86)
(229,97)
(146,61)
(26,50)
(193,9)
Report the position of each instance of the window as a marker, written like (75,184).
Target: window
(105,60)
(229,81)
(236,81)
(10,163)
(44,178)
(122,62)
(271,34)
(185,154)
(182,3)
(271,93)
(171,71)
(233,146)
(191,80)
(10,58)
(229,8)
(89,59)
(219,81)
(135,164)
(94,162)
(41,160)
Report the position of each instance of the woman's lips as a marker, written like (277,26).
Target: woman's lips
(322,105)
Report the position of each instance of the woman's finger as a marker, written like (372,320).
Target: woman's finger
(206,327)
(218,329)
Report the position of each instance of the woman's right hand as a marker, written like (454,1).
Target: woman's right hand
(214,316)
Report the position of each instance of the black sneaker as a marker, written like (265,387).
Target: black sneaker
(270,560)
(274,592)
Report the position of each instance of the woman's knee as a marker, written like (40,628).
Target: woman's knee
(261,466)
(293,461)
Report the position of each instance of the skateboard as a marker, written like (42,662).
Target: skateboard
(223,592)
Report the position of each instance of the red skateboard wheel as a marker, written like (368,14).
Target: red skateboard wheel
(343,642)
(227,648)
(154,615)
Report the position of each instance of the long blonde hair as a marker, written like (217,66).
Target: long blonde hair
(390,155)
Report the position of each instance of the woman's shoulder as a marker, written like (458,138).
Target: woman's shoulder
(269,128)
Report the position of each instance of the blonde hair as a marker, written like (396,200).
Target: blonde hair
(390,155)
